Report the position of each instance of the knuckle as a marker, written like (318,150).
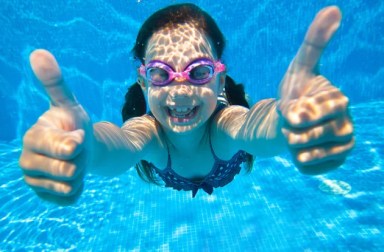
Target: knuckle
(28,180)
(65,189)
(24,162)
(67,170)
(347,128)
(69,147)
(71,171)
(341,104)
(339,99)
(315,154)
(344,101)
(291,139)
(294,117)
(303,157)
(299,138)
(343,129)
(351,144)
(72,188)
(30,134)
(306,109)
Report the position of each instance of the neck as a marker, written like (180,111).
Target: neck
(187,142)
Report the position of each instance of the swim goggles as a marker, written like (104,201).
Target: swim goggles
(198,72)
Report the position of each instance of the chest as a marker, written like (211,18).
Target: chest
(193,165)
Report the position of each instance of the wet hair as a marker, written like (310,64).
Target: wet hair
(170,17)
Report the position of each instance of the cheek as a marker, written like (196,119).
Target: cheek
(209,96)
(155,96)
(214,88)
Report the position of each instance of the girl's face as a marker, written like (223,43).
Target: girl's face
(181,106)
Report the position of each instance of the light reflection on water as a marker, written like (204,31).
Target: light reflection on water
(274,208)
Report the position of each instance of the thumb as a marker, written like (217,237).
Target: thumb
(47,70)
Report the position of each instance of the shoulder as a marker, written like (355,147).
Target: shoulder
(145,133)
(226,125)
(230,118)
(147,119)
(145,124)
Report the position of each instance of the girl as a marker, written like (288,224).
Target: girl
(194,135)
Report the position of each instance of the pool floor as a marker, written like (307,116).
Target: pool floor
(275,208)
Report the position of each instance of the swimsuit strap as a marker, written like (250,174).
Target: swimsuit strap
(211,147)
(169,161)
(219,108)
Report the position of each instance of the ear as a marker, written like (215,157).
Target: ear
(141,82)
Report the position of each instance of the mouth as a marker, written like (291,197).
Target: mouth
(182,114)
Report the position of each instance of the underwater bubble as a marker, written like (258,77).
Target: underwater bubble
(335,187)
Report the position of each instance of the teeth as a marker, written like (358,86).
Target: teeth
(181,109)
(180,112)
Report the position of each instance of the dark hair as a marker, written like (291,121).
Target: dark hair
(169,17)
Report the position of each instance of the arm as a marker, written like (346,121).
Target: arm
(63,144)
(311,113)
(256,131)
(117,149)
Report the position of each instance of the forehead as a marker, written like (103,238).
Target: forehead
(179,45)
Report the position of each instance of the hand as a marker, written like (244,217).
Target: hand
(54,153)
(317,124)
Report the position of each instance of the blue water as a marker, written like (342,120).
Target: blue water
(275,208)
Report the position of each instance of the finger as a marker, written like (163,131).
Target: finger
(320,32)
(54,143)
(53,187)
(36,165)
(46,69)
(323,153)
(321,106)
(61,200)
(339,130)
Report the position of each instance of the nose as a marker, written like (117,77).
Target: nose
(180,90)
(180,79)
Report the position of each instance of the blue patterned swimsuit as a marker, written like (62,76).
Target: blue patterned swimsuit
(222,173)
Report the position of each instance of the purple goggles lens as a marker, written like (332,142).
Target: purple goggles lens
(199,72)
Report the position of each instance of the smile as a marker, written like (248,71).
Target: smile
(182,114)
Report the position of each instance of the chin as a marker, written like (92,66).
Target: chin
(184,129)
(184,122)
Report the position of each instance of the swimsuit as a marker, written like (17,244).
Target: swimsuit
(222,173)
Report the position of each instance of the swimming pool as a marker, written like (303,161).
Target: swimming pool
(273,209)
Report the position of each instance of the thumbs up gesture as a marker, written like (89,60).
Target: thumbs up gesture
(317,124)
(56,149)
